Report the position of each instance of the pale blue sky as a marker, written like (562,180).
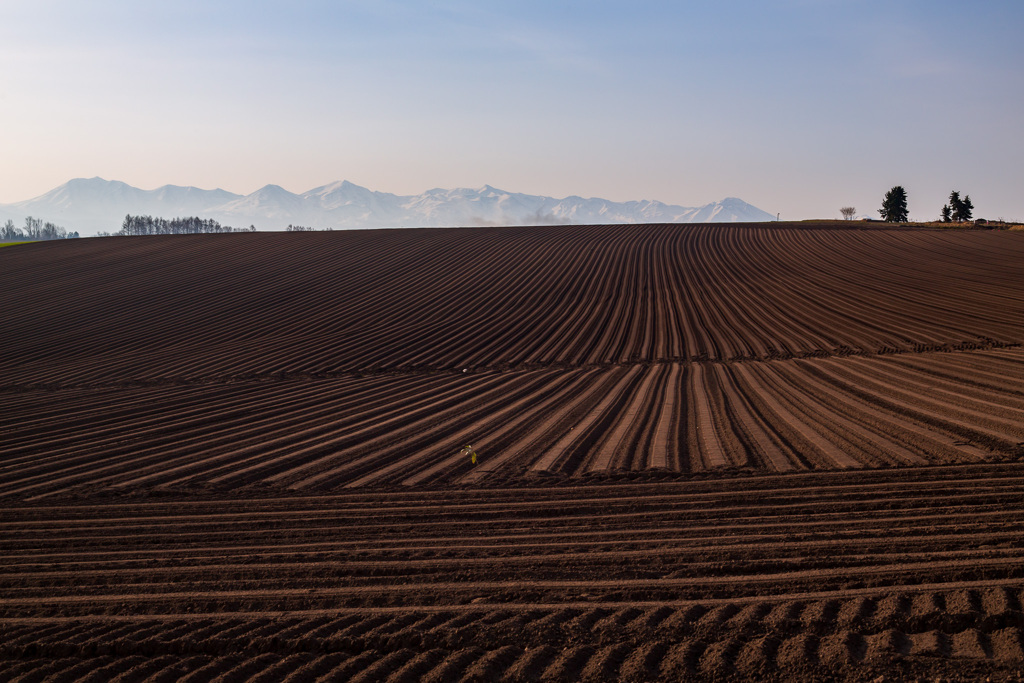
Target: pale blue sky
(797,106)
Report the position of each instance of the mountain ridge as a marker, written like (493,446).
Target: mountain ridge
(90,205)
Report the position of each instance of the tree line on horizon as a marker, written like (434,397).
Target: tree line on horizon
(894,210)
(192,225)
(148,225)
(35,229)
(894,207)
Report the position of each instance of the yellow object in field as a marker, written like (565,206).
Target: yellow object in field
(471,452)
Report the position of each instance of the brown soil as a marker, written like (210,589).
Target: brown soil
(706,453)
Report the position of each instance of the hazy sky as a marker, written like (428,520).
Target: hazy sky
(797,106)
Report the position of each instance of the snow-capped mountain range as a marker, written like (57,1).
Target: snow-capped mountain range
(90,205)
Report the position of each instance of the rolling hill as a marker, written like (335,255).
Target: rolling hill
(781,452)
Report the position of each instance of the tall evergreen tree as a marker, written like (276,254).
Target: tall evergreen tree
(961,209)
(956,206)
(967,211)
(894,207)
(947,214)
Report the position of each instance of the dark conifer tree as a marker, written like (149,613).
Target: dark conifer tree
(956,206)
(967,211)
(894,207)
(961,209)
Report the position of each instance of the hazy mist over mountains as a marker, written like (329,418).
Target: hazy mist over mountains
(91,205)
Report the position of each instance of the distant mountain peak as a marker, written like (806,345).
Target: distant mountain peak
(95,204)
(272,189)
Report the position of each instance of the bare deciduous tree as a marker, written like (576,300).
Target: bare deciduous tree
(848,212)
(147,225)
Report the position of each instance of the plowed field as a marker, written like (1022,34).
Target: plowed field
(705,452)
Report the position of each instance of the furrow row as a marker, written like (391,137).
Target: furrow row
(325,435)
(448,299)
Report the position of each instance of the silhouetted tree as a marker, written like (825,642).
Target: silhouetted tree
(894,207)
(52,232)
(848,212)
(147,225)
(955,205)
(966,208)
(947,213)
(960,209)
(33,228)
(9,232)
